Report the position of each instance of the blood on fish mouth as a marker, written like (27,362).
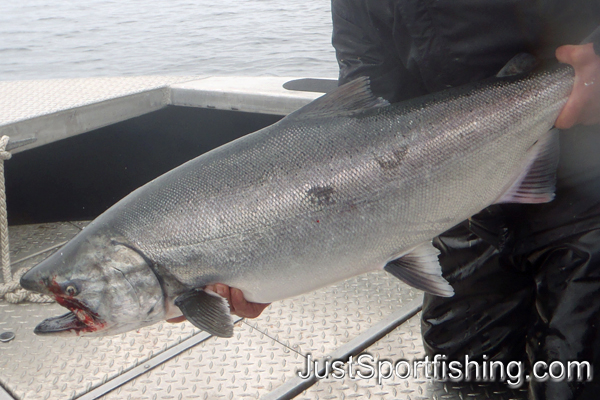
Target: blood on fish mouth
(80,318)
(90,320)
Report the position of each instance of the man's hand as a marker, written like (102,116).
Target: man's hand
(583,106)
(236,300)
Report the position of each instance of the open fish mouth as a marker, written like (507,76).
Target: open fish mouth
(76,321)
(63,324)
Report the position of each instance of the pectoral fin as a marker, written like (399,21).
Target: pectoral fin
(207,311)
(421,269)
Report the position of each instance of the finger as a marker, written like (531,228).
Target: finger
(244,308)
(582,106)
(176,320)
(566,54)
(570,113)
(223,291)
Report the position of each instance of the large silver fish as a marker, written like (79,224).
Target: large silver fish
(346,185)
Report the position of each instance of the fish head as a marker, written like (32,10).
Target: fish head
(108,287)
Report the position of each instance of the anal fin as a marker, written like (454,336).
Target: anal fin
(421,269)
(207,311)
(537,182)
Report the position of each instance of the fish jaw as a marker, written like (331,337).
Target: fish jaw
(108,287)
(68,324)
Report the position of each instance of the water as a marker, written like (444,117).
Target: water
(68,38)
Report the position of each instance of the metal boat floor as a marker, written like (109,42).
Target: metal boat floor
(373,313)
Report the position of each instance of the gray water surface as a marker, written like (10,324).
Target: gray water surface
(67,38)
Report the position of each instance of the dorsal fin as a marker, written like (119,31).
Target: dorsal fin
(348,99)
(520,64)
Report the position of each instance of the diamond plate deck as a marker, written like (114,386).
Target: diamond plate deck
(29,244)
(51,110)
(22,100)
(245,366)
(37,367)
(404,343)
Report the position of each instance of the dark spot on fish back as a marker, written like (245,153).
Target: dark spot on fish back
(321,195)
(392,159)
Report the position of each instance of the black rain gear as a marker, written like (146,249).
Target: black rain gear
(527,277)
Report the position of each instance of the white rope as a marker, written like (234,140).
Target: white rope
(10,290)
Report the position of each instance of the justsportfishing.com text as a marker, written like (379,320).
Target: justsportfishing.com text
(514,373)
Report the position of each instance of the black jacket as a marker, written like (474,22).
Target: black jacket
(531,282)
(414,47)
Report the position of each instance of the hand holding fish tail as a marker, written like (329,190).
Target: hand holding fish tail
(583,106)
(238,304)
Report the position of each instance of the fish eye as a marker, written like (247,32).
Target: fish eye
(71,290)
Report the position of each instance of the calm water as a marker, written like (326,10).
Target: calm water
(68,38)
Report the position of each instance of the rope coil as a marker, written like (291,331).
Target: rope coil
(10,290)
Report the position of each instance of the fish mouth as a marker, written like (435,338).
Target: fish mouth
(79,320)
(67,323)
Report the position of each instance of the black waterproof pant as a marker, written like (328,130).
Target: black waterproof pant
(527,278)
